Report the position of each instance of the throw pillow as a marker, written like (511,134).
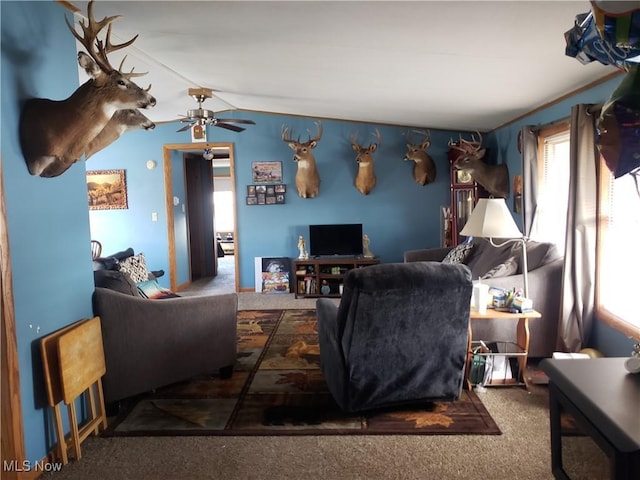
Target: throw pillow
(151,289)
(118,281)
(136,267)
(458,254)
(510,267)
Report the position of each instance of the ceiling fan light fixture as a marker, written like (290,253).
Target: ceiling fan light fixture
(207,154)
(200,113)
(201,116)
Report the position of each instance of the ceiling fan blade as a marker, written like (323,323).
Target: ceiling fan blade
(229,127)
(186,127)
(235,120)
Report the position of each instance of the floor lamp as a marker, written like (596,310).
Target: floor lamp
(491,219)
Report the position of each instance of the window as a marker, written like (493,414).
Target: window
(553,186)
(618,263)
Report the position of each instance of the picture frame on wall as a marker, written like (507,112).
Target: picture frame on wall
(266,172)
(266,194)
(107,190)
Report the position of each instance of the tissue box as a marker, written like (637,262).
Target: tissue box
(521,304)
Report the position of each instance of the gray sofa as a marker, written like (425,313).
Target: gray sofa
(503,266)
(398,336)
(151,343)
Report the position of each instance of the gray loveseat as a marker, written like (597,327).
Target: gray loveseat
(399,335)
(502,266)
(151,343)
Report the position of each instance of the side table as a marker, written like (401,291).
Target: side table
(604,399)
(521,347)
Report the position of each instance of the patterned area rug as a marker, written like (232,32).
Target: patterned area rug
(277,388)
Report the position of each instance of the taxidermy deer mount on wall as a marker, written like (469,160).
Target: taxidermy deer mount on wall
(424,168)
(121,121)
(467,156)
(307,177)
(366,177)
(55,134)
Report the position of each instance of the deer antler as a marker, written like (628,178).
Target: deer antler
(427,135)
(408,136)
(467,146)
(472,145)
(96,47)
(319,135)
(353,138)
(378,137)
(130,75)
(286,138)
(285,135)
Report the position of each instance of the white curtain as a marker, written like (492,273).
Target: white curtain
(578,276)
(529,145)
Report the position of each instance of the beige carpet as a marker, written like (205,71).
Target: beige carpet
(522,452)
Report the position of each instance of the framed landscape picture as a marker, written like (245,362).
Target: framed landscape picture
(107,189)
(266,172)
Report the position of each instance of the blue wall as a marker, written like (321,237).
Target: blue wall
(604,338)
(398,215)
(48,221)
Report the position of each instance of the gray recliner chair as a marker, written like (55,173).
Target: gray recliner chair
(398,336)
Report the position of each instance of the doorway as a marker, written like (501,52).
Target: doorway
(186,241)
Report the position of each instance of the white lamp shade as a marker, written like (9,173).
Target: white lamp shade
(491,218)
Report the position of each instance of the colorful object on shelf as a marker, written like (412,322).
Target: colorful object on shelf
(618,126)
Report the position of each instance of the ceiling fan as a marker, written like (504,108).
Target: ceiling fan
(201,116)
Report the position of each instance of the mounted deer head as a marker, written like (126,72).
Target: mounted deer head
(424,168)
(307,177)
(467,156)
(122,121)
(55,134)
(366,177)
(464,147)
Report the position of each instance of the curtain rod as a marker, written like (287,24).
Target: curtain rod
(595,109)
(537,128)
(592,109)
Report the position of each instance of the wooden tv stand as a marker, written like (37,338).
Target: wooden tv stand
(310,276)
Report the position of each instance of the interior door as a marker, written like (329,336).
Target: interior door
(199,182)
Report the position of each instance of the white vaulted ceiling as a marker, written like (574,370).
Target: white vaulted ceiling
(448,64)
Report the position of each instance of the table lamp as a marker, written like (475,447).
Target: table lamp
(491,219)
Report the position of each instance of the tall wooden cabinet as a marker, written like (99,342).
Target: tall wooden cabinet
(464,195)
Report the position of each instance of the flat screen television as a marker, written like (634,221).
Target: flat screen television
(339,239)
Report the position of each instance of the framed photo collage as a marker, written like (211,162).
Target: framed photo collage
(268,188)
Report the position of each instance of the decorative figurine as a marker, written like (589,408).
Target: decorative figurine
(365,247)
(302,248)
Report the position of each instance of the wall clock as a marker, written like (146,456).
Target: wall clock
(462,177)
